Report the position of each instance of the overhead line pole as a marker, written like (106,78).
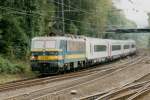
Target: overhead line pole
(63,20)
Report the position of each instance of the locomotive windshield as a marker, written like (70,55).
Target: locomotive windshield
(50,44)
(40,44)
(37,44)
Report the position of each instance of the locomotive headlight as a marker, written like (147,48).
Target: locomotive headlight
(33,57)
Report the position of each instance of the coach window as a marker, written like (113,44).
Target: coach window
(126,46)
(133,46)
(116,47)
(99,48)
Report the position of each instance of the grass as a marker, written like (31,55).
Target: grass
(12,70)
(4,78)
(8,78)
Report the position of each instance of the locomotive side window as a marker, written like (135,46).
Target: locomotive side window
(126,46)
(116,47)
(99,48)
(75,46)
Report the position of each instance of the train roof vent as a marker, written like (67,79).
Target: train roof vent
(75,36)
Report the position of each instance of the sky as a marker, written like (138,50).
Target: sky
(135,10)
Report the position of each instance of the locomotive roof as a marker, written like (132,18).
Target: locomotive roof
(80,39)
(58,38)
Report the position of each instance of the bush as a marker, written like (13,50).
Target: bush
(11,68)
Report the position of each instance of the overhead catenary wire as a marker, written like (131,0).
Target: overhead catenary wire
(32,13)
(74,8)
(71,9)
(85,28)
(23,12)
(36,13)
(64,5)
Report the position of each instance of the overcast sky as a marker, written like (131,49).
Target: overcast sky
(135,10)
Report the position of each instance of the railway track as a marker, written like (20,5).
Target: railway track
(131,91)
(140,92)
(141,95)
(118,94)
(38,81)
(35,95)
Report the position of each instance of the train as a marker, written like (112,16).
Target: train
(50,55)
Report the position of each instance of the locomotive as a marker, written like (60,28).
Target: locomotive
(60,53)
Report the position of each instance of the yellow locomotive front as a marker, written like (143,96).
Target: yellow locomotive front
(46,57)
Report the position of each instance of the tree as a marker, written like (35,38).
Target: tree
(21,20)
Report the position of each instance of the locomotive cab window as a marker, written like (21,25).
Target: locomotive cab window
(126,46)
(50,44)
(99,48)
(38,44)
(41,44)
(116,47)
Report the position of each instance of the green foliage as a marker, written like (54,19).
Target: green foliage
(91,19)
(11,68)
(73,28)
(20,21)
